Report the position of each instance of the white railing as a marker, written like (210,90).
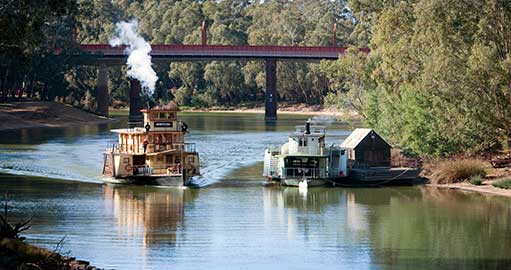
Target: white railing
(303,172)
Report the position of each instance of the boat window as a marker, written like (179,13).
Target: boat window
(126,160)
(301,162)
(302,142)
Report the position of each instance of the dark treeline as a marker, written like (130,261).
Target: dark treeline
(30,68)
(437,80)
(29,33)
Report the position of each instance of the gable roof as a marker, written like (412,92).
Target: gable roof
(357,136)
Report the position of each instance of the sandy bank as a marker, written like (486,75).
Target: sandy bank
(31,114)
(485,188)
(298,109)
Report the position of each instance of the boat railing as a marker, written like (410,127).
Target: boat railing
(142,170)
(174,169)
(304,172)
(151,147)
(369,164)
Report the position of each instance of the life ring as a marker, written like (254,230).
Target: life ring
(128,167)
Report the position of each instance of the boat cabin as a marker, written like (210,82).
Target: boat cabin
(307,140)
(365,148)
(305,153)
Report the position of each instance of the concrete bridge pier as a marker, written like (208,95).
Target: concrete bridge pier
(102,95)
(135,116)
(270,97)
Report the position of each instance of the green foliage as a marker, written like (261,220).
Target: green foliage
(438,78)
(476,180)
(503,183)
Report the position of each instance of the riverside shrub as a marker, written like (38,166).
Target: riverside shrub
(476,180)
(454,171)
(503,183)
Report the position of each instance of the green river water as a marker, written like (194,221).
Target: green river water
(234,220)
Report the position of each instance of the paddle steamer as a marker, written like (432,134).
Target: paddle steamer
(305,159)
(155,154)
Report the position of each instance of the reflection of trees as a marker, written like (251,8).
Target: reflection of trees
(442,229)
(155,214)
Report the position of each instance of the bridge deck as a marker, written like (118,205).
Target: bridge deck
(209,52)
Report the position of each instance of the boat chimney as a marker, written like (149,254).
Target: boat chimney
(307,127)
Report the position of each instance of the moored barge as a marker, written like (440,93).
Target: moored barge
(364,158)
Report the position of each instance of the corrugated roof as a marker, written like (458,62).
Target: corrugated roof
(356,137)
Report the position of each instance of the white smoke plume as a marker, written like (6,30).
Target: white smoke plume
(323,119)
(139,60)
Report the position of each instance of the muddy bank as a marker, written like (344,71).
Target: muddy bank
(32,114)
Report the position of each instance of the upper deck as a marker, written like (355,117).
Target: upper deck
(308,140)
(308,129)
(160,119)
(162,133)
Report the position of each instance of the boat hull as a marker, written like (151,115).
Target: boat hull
(167,181)
(310,182)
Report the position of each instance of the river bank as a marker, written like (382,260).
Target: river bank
(34,114)
(467,174)
(283,108)
(17,254)
(485,188)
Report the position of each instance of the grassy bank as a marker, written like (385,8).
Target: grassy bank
(504,183)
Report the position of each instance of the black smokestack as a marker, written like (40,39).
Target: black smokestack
(307,127)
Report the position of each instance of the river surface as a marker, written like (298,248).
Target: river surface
(235,220)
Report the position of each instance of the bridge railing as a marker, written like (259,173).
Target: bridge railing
(161,48)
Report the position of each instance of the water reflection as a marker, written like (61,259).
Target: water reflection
(437,228)
(152,214)
(237,222)
(310,200)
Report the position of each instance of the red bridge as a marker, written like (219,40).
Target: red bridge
(105,55)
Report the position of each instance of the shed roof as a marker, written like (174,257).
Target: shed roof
(357,136)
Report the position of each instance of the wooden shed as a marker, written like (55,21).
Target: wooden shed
(365,148)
